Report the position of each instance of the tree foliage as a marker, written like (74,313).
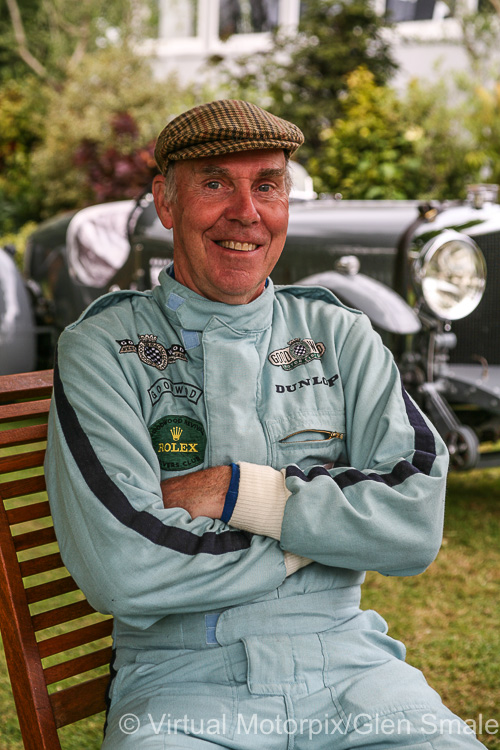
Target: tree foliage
(120,169)
(480,34)
(482,118)
(101,127)
(87,141)
(22,127)
(304,76)
(383,146)
(50,38)
(449,151)
(78,107)
(79,111)
(363,138)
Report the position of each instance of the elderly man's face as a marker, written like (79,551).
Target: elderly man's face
(229,220)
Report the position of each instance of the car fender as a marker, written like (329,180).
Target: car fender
(17,324)
(385,308)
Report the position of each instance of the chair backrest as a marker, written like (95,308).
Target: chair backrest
(55,643)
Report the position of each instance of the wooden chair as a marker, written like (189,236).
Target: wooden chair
(51,635)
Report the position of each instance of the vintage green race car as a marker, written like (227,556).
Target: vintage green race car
(417,270)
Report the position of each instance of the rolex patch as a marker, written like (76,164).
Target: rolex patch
(297,352)
(179,442)
(152,353)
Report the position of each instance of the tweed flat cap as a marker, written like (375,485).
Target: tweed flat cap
(222,127)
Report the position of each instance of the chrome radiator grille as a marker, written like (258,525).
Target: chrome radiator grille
(479,334)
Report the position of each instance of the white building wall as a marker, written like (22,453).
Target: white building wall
(189,35)
(427,50)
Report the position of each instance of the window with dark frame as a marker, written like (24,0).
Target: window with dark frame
(247,16)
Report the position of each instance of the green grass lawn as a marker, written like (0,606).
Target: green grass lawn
(448,618)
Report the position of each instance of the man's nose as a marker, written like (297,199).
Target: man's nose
(241,207)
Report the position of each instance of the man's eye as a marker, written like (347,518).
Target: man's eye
(213,185)
(265,188)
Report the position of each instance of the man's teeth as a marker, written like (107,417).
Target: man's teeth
(243,246)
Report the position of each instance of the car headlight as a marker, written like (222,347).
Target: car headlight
(450,273)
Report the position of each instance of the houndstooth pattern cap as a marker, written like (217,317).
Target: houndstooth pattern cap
(222,127)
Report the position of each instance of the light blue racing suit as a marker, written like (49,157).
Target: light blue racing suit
(246,634)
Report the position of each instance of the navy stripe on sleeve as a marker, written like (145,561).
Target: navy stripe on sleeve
(422,461)
(425,445)
(118,504)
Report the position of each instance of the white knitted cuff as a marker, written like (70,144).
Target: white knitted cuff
(294,562)
(262,497)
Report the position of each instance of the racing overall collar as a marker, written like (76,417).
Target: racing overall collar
(193,312)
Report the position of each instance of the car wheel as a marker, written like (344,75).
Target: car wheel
(463,446)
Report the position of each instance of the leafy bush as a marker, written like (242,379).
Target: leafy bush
(386,146)
(18,240)
(51,37)
(448,149)
(100,129)
(367,152)
(363,138)
(483,121)
(302,76)
(120,170)
(22,106)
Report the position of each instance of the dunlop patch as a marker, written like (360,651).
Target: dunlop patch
(179,442)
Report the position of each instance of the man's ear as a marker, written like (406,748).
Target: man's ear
(162,207)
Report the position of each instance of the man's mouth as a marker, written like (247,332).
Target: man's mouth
(244,247)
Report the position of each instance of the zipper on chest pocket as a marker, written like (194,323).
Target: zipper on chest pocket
(323,435)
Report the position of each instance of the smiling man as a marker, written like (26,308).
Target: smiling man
(225,459)
(230,217)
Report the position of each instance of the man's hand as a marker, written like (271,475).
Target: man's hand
(201,493)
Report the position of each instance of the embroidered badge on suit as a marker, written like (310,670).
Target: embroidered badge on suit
(152,353)
(297,352)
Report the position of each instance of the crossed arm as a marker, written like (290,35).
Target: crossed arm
(201,493)
(108,508)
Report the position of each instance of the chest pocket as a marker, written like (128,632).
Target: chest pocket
(307,439)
